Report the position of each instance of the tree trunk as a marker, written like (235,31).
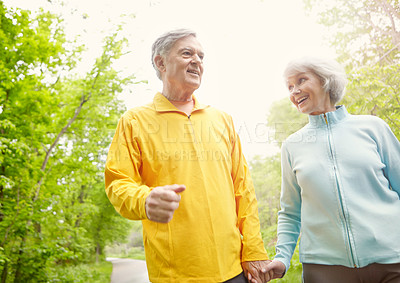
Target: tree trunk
(4,273)
(98,252)
(17,277)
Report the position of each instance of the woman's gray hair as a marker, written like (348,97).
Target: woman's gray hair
(331,73)
(164,43)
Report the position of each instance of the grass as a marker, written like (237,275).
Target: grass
(82,273)
(133,253)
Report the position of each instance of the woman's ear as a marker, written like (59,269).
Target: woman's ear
(159,61)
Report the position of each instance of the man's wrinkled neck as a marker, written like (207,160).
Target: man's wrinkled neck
(177,94)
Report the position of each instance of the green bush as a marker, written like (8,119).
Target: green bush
(82,273)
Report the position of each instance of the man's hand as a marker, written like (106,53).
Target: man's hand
(162,202)
(255,271)
(276,269)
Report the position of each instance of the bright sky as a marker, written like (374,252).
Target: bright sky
(247,45)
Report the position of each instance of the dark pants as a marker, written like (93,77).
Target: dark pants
(373,273)
(238,279)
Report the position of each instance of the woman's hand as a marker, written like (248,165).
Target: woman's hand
(276,269)
(256,272)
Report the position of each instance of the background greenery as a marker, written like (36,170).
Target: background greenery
(56,224)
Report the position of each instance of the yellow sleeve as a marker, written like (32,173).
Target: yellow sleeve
(123,182)
(246,206)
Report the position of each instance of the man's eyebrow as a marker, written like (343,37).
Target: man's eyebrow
(190,49)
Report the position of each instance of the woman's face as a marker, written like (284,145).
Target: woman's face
(307,94)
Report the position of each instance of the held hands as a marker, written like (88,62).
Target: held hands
(276,268)
(162,202)
(263,271)
(255,271)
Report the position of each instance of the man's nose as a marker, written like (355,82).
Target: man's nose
(196,59)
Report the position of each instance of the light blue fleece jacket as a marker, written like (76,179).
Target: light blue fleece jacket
(341,192)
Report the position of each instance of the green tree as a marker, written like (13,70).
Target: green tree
(25,52)
(283,119)
(55,128)
(375,91)
(366,35)
(266,174)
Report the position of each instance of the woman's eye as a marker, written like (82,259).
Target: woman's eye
(290,88)
(302,80)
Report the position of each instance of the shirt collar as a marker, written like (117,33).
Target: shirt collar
(162,104)
(329,118)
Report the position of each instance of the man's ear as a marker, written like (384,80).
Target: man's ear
(159,61)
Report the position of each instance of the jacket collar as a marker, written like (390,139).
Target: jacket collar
(329,118)
(162,104)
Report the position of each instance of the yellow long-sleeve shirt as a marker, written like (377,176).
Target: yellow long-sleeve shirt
(216,225)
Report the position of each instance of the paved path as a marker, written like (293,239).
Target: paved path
(128,270)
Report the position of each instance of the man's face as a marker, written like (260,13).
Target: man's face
(184,64)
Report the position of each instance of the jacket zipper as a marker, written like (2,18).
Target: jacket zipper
(340,195)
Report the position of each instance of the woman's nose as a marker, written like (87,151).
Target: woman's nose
(295,90)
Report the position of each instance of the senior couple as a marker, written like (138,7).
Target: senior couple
(199,213)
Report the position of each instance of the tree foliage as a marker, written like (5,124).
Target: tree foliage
(375,91)
(55,127)
(265,173)
(366,36)
(284,119)
(365,32)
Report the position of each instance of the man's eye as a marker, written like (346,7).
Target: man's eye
(187,53)
(290,88)
(302,80)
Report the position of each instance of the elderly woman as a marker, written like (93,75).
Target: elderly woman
(340,185)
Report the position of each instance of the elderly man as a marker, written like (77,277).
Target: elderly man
(177,165)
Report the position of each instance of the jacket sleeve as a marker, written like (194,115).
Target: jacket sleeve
(123,183)
(246,205)
(289,217)
(389,150)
